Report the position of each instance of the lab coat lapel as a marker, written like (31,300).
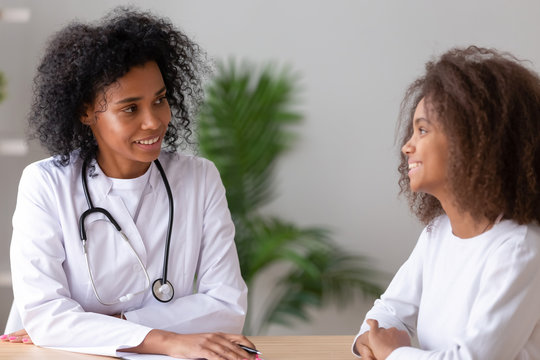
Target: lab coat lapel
(153,221)
(100,187)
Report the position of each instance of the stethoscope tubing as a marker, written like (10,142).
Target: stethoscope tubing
(163,293)
(169,227)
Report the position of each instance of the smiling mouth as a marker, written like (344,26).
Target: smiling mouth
(149,141)
(414,165)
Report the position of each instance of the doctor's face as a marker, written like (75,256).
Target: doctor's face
(427,153)
(129,121)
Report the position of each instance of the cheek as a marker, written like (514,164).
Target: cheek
(165,116)
(442,165)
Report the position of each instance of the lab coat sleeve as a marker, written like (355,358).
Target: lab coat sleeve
(220,304)
(505,314)
(42,295)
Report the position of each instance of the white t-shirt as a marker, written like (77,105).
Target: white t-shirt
(131,191)
(476,298)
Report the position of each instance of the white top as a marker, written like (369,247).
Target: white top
(131,191)
(50,278)
(476,298)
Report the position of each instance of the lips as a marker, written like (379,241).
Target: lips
(414,165)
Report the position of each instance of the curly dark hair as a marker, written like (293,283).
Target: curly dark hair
(81,60)
(488,103)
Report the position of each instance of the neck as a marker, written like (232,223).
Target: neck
(122,170)
(463,224)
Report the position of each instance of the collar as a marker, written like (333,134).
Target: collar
(100,185)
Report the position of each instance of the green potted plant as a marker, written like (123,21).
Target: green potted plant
(244,127)
(3,83)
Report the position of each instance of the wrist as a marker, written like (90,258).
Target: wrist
(155,342)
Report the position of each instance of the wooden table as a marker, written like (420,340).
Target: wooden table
(272,347)
(304,347)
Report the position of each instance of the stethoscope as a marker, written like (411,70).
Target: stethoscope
(161,288)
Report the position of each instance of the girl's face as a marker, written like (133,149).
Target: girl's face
(427,153)
(129,121)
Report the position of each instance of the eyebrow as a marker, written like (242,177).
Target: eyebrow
(420,119)
(131,99)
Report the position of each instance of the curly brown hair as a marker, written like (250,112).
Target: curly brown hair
(81,60)
(488,103)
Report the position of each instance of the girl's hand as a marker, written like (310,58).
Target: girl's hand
(20,336)
(362,347)
(211,346)
(383,341)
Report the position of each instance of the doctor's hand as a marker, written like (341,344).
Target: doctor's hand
(20,336)
(211,346)
(383,341)
(362,347)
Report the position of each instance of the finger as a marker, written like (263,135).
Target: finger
(21,332)
(365,352)
(234,352)
(226,349)
(27,340)
(373,324)
(241,340)
(236,340)
(15,339)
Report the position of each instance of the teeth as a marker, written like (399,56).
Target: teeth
(413,165)
(148,142)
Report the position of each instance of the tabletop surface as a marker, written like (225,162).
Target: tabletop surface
(329,347)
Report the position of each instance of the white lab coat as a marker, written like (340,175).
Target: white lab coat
(50,279)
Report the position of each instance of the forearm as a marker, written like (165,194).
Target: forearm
(192,313)
(211,346)
(154,343)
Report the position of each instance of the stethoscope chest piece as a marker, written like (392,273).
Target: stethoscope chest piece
(162,292)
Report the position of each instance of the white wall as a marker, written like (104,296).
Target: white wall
(356,58)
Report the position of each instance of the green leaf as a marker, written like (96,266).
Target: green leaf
(3,83)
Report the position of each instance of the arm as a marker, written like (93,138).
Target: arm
(211,346)
(220,301)
(398,306)
(505,313)
(382,342)
(40,285)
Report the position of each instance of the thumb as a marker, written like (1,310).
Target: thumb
(373,325)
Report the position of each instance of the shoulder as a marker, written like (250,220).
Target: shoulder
(43,182)
(48,172)
(514,246)
(187,165)
(525,238)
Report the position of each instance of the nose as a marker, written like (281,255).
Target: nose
(151,120)
(408,147)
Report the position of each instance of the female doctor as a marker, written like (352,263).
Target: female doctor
(117,244)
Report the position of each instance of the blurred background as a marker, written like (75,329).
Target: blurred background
(355,59)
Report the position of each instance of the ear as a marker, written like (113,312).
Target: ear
(88,117)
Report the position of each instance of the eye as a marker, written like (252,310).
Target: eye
(161,100)
(130,109)
(422,131)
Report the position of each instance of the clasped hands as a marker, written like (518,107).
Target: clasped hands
(378,343)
